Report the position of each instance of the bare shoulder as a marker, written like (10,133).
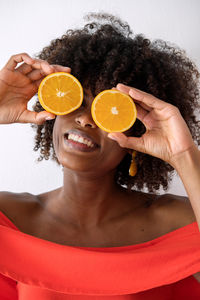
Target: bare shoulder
(17,205)
(176,210)
(180,213)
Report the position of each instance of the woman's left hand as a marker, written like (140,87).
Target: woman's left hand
(167,135)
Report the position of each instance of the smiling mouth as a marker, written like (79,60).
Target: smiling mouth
(76,142)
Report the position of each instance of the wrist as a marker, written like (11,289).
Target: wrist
(187,159)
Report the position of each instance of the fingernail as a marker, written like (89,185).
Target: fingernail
(50,118)
(121,84)
(112,137)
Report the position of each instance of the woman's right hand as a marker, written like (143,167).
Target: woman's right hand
(19,85)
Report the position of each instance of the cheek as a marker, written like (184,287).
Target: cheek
(113,155)
(56,142)
(56,135)
(59,151)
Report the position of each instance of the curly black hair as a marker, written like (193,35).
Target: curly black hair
(105,52)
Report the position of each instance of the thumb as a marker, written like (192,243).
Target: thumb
(35,117)
(128,142)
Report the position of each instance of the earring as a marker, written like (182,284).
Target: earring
(133,166)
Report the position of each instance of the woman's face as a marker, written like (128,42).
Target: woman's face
(100,155)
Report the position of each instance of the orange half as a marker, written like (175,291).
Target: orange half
(113,111)
(60,93)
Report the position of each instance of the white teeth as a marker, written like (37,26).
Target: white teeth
(75,138)
(81,140)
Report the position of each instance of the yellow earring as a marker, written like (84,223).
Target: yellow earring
(133,166)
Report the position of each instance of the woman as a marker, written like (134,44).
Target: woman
(100,236)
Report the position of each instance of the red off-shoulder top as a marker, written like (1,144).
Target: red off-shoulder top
(32,268)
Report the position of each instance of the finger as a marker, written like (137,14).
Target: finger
(126,89)
(123,88)
(36,75)
(24,69)
(145,98)
(147,108)
(33,117)
(128,142)
(15,59)
(44,66)
(141,114)
(59,68)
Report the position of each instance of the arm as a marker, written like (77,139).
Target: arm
(187,165)
(167,137)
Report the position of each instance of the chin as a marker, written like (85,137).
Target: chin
(77,165)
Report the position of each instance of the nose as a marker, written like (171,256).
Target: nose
(84,119)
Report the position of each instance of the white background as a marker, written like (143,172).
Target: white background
(28,26)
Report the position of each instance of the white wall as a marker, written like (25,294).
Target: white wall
(28,26)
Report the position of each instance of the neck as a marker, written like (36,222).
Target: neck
(86,200)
